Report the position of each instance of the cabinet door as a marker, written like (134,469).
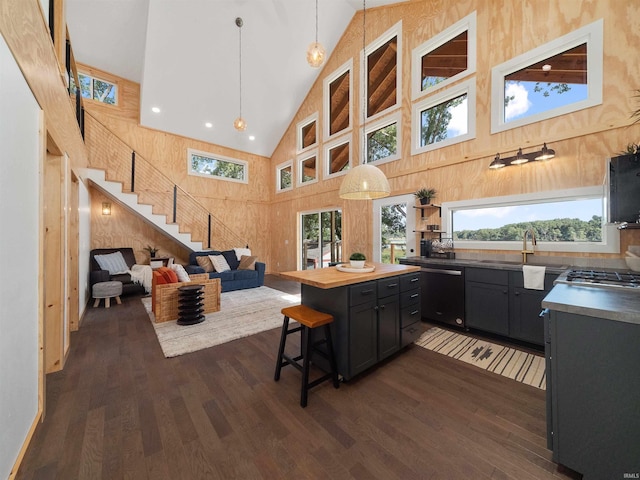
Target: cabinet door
(363,337)
(525,322)
(487,307)
(388,326)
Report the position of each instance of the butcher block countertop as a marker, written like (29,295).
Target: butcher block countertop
(331,277)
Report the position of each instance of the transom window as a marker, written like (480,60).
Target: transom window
(566,221)
(445,118)
(338,157)
(557,78)
(445,58)
(284,176)
(205,164)
(96,89)
(337,100)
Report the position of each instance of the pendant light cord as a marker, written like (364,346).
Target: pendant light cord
(316,21)
(239,23)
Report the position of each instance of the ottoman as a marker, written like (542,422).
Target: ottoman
(107,290)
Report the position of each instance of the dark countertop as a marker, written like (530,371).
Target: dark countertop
(488,263)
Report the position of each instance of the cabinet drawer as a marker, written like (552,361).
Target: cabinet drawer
(361,293)
(410,334)
(410,315)
(487,275)
(388,286)
(409,281)
(411,297)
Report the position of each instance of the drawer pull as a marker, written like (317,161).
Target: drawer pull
(417,279)
(366,292)
(415,312)
(392,285)
(415,295)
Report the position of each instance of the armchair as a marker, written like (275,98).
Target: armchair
(164,297)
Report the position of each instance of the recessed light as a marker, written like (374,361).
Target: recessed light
(208,125)
(252,137)
(155,109)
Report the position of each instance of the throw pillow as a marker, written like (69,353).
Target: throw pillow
(205,263)
(232,260)
(242,251)
(113,262)
(168,274)
(247,263)
(219,263)
(182,274)
(158,278)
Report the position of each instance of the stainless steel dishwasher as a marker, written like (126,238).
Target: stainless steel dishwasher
(443,294)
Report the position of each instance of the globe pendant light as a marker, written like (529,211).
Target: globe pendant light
(316,52)
(239,123)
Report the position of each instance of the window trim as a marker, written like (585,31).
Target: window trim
(279,168)
(394,31)
(212,156)
(592,35)
(326,100)
(610,234)
(93,78)
(327,147)
(300,160)
(396,118)
(299,137)
(467,87)
(468,24)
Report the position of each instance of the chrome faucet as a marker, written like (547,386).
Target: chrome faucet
(532,233)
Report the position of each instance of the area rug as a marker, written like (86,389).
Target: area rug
(242,313)
(509,362)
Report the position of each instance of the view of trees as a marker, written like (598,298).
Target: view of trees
(382,143)
(556,230)
(95,89)
(217,168)
(435,121)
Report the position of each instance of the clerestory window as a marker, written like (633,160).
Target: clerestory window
(205,164)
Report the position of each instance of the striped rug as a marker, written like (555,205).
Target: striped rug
(509,362)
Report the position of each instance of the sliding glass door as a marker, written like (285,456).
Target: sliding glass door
(321,238)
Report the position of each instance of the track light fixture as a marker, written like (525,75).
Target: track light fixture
(521,158)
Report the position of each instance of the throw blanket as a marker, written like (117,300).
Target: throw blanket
(142,275)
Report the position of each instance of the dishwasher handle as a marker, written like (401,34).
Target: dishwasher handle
(444,272)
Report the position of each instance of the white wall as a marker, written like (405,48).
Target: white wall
(19,257)
(84,247)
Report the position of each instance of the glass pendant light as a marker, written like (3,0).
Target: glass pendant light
(239,123)
(316,52)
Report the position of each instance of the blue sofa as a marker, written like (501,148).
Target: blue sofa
(234,279)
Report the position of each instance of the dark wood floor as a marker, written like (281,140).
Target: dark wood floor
(121,410)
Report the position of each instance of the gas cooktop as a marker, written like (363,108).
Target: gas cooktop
(601,278)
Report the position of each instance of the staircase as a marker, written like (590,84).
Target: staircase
(130,200)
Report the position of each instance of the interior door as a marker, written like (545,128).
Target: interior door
(394,228)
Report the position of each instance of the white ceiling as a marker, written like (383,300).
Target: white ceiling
(184,54)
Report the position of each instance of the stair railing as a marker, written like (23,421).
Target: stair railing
(121,163)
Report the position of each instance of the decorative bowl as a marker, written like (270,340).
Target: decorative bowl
(633,263)
(357,263)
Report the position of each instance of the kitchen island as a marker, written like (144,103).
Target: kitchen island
(375,313)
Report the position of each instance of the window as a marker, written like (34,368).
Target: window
(445,118)
(337,100)
(557,78)
(96,89)
(447,57)
(383,76)
(338,157)
(205,164)
(307,169)
(307,135)
(382,140)
(284,176)
(564,221)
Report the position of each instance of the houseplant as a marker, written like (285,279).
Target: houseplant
(357,260)
(152,250)
(425,195)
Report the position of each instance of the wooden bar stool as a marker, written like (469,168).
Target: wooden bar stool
(309,319)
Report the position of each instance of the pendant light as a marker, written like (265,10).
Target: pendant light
(316,52)
(239,123)
(364,182)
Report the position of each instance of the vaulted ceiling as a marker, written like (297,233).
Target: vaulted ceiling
(185,55)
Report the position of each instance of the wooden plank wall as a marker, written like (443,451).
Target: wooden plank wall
(506,28)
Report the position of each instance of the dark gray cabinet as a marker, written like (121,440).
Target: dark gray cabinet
(497,302)
(593,389)
(369,322)
(410,308)
(487,300)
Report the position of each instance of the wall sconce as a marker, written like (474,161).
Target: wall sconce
(520,158)
(106,208)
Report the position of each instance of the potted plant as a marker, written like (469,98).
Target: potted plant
(425,195)
(357,260)
(152,250)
